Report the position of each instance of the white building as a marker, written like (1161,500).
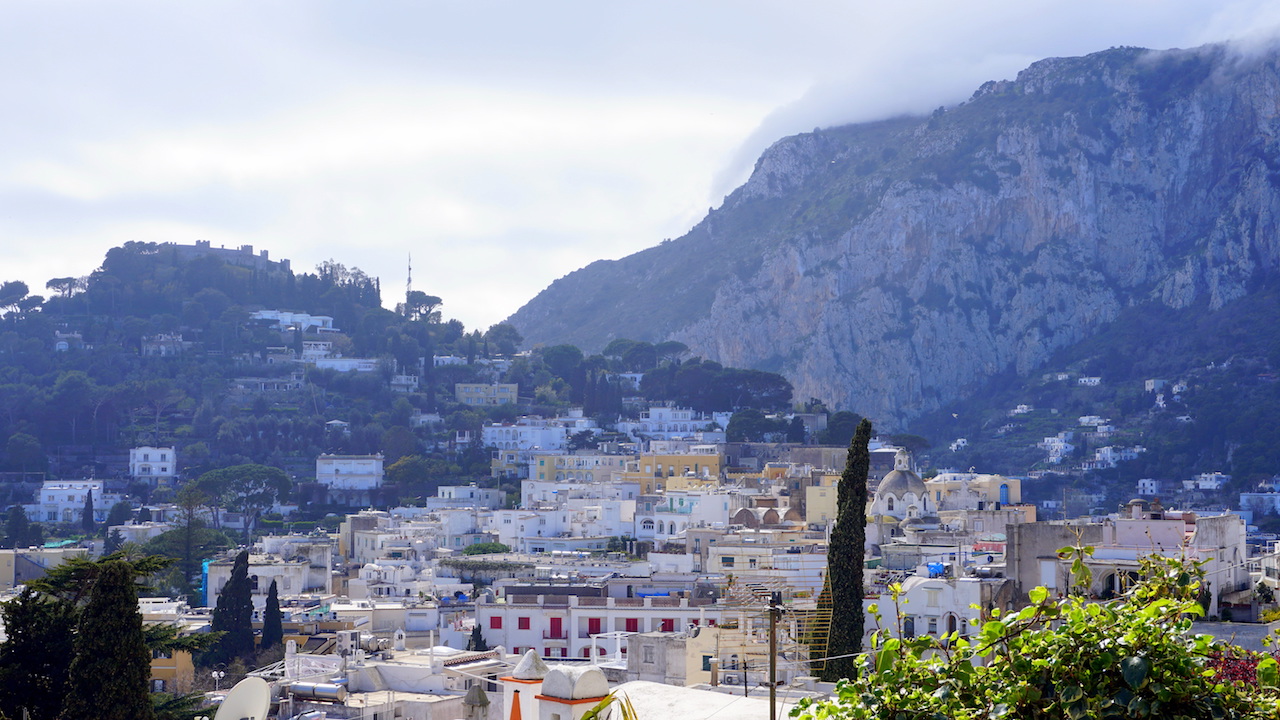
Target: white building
(466,496)
(1150,487)
(64,500)
(1109,457)
(350,472)
(141,532)
(345,364)
(667,423)
(1206,481)
(564,626)
(313,350)
(153,464)
(350,479)
(527,433)
(297,564)
(285,320)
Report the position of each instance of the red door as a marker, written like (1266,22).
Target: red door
(557,627)
(593,626)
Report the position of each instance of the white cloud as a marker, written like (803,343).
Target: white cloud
(504,144)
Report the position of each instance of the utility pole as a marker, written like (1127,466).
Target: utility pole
(775,611)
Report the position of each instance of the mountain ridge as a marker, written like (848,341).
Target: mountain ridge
(893,267)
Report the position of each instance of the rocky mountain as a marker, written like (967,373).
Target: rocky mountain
(894,267)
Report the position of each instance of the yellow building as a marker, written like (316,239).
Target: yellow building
(20,566)
(973,491)
(586,467)
(485,393)
(820,499)
(690,483)
(694,470)
(505,463)
(173,671)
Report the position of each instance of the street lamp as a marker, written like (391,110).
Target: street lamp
(217,676)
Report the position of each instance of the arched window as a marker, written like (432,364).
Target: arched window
(1004,494)
(888,503)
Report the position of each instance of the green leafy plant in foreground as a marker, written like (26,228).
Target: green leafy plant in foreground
(1132,657)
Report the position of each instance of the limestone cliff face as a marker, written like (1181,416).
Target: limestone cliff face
(892,267)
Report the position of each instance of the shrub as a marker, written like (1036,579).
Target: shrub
(1070,658)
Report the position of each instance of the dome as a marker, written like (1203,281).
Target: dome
(569,682)
(901,482)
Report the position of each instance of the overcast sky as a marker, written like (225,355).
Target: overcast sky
(503,144)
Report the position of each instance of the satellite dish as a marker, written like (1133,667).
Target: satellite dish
(250,699)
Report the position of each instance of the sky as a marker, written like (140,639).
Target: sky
(502,145)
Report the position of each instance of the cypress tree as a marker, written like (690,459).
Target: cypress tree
(233,614)
(845,557)
(476,641)
(272,621)
(86,515)
(112,667)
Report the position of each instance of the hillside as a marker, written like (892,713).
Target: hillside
(896,267)
(1226,419)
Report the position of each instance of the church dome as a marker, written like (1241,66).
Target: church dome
(901,480)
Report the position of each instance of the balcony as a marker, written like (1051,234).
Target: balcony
(555,634)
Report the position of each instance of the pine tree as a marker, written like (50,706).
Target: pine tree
(86,515)
(36,655)
(272,625)
(233,614)
(113,542)
(112,667)
(845,558)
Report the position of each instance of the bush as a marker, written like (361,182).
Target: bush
(486,548)
(1070,658)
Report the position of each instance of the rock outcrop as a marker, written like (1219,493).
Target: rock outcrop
(893,267)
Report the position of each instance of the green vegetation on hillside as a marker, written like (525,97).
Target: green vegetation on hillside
(1227,419)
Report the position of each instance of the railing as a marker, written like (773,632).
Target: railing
(555,635)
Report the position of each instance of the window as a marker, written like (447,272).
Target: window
(157,685)
(706,663)
(726,561)
(522,623)
(495,622)
(933,626)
